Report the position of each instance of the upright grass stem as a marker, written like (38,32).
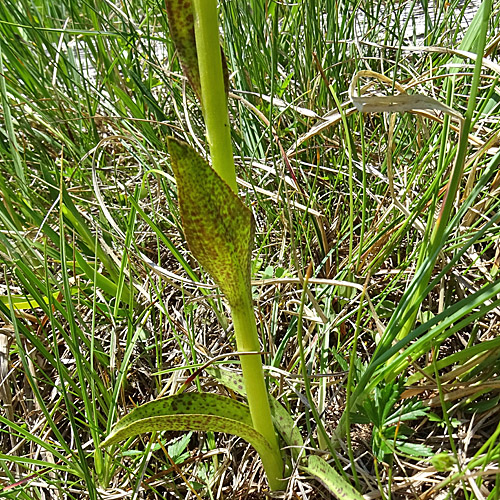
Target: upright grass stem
(397,328)
(305,375)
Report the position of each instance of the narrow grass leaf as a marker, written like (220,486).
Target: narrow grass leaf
(22,303)
(39,463)
(165,240)
(9,124)
(44,445)
(470,357)
(442,326)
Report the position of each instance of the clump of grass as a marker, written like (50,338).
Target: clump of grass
(103,307)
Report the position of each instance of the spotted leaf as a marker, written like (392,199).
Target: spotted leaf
(331,479)
(194,412)
(181,25)
(218,227)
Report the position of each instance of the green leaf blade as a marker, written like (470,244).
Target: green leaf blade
(331,479)
(219,228)
(188,404)
(194,412)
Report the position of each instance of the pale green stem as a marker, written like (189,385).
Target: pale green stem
(247,339)
(213,91)
(216,116)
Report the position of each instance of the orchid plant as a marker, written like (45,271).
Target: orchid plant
(219,229)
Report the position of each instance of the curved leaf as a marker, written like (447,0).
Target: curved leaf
(281,418)
(194,412)
(219,228)
(186,403)
(331,479)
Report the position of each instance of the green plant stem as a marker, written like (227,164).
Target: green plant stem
(213,91)
(446,417)
(214,102)
(12,141)
(350,382)
(247,340)
(305,375)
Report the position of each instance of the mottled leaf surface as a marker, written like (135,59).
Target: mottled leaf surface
(193,412)
(331,479)
(281,418)
(181,25)
(188,403)
(219,228)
